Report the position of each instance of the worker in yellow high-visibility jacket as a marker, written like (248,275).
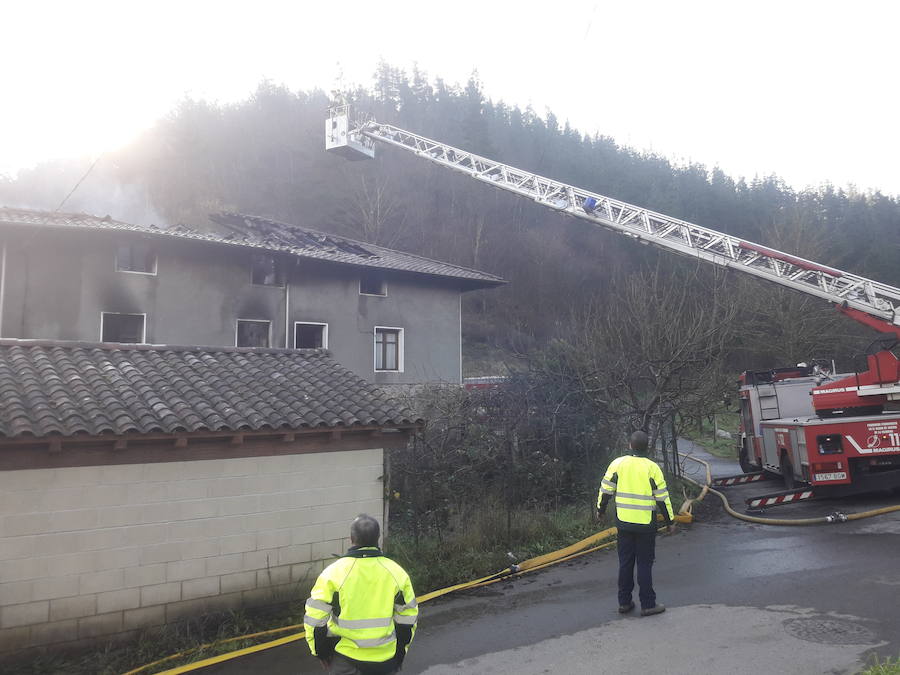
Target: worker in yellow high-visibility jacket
(639,488)
(361,614)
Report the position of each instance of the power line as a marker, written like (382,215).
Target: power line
(590,21)
(81,180)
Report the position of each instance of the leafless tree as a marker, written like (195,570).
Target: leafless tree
(375,213)
(655,348)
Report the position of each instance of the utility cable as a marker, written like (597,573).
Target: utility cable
(78,184)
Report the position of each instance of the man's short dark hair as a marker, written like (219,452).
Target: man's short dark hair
(364,531)
(639,442)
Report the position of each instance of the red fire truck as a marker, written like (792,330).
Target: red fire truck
(837,433)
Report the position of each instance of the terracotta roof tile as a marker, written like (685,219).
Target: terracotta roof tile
(59,388)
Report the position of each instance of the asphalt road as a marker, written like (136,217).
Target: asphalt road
(742,598)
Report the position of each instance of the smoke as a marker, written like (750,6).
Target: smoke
(101,193)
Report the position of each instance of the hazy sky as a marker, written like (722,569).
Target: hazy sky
(807,90)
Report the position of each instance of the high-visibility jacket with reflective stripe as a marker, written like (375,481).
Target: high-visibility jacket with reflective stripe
(362,601)
(637,483)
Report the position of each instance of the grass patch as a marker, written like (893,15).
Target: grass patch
(887,667)
(478,542)
(706,437)
(475,547)
(201,637)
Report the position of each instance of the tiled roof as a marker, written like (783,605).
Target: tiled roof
(313,244)
(60,388)
(262,233)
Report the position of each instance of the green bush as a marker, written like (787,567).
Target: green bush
(887,667)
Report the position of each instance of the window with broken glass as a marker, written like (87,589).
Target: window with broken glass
(310,335)
(137,257)
(123,328)
(251,333)
(371,283)
(266,270)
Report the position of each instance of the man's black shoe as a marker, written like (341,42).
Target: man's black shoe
(650,611)
(624,609)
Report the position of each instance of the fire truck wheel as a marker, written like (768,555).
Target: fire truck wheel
(787,472)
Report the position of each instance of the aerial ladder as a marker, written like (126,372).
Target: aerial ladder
(847,440)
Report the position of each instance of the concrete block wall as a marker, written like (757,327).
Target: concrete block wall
(87,552)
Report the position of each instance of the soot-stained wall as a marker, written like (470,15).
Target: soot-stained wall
(57,283)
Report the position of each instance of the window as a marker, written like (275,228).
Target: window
(831,444)
(310,335)
(371,283)
(129,328)
(136,258)
(266,270)
(388,349)
(251,333)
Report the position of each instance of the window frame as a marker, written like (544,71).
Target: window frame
(312,323)
(143,316)
(280,271)
(401,349)
(383,284)
(237,324)
(146,274)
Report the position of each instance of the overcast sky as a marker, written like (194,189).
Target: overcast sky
(807,90)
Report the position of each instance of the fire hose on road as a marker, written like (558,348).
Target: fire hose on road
(596,542)
(821,520)
(600,540)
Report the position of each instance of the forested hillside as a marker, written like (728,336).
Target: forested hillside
(265,156)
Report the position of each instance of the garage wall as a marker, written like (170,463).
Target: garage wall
(88,552)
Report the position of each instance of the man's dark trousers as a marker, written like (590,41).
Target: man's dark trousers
(341,665)
(640,548)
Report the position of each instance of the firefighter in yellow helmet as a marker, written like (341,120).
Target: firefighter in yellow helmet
(639,488)
(362,611)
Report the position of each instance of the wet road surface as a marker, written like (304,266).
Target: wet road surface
(742,598)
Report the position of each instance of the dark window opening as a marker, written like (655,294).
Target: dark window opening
(127,328)
(266,270)
(831,444)
(387,349)
(309,335)
(135,258)
(253,333)
(372,284)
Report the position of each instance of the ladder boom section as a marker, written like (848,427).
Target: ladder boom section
(679,236)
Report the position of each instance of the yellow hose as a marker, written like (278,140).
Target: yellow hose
(583,547)
(833,518)
(210,644)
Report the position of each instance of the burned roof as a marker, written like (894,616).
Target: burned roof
(263,233)
(71,388)
(309,243)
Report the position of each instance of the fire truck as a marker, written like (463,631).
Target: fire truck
(837,434)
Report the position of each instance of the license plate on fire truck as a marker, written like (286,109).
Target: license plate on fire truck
(840,475)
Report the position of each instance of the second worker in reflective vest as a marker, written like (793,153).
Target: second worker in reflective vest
(362,611)
(639,488)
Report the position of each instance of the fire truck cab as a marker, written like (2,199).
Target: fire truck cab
(781,433)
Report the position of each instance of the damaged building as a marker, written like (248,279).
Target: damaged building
(175,403)
(391,317)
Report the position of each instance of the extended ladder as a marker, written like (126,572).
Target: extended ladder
(357,141)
